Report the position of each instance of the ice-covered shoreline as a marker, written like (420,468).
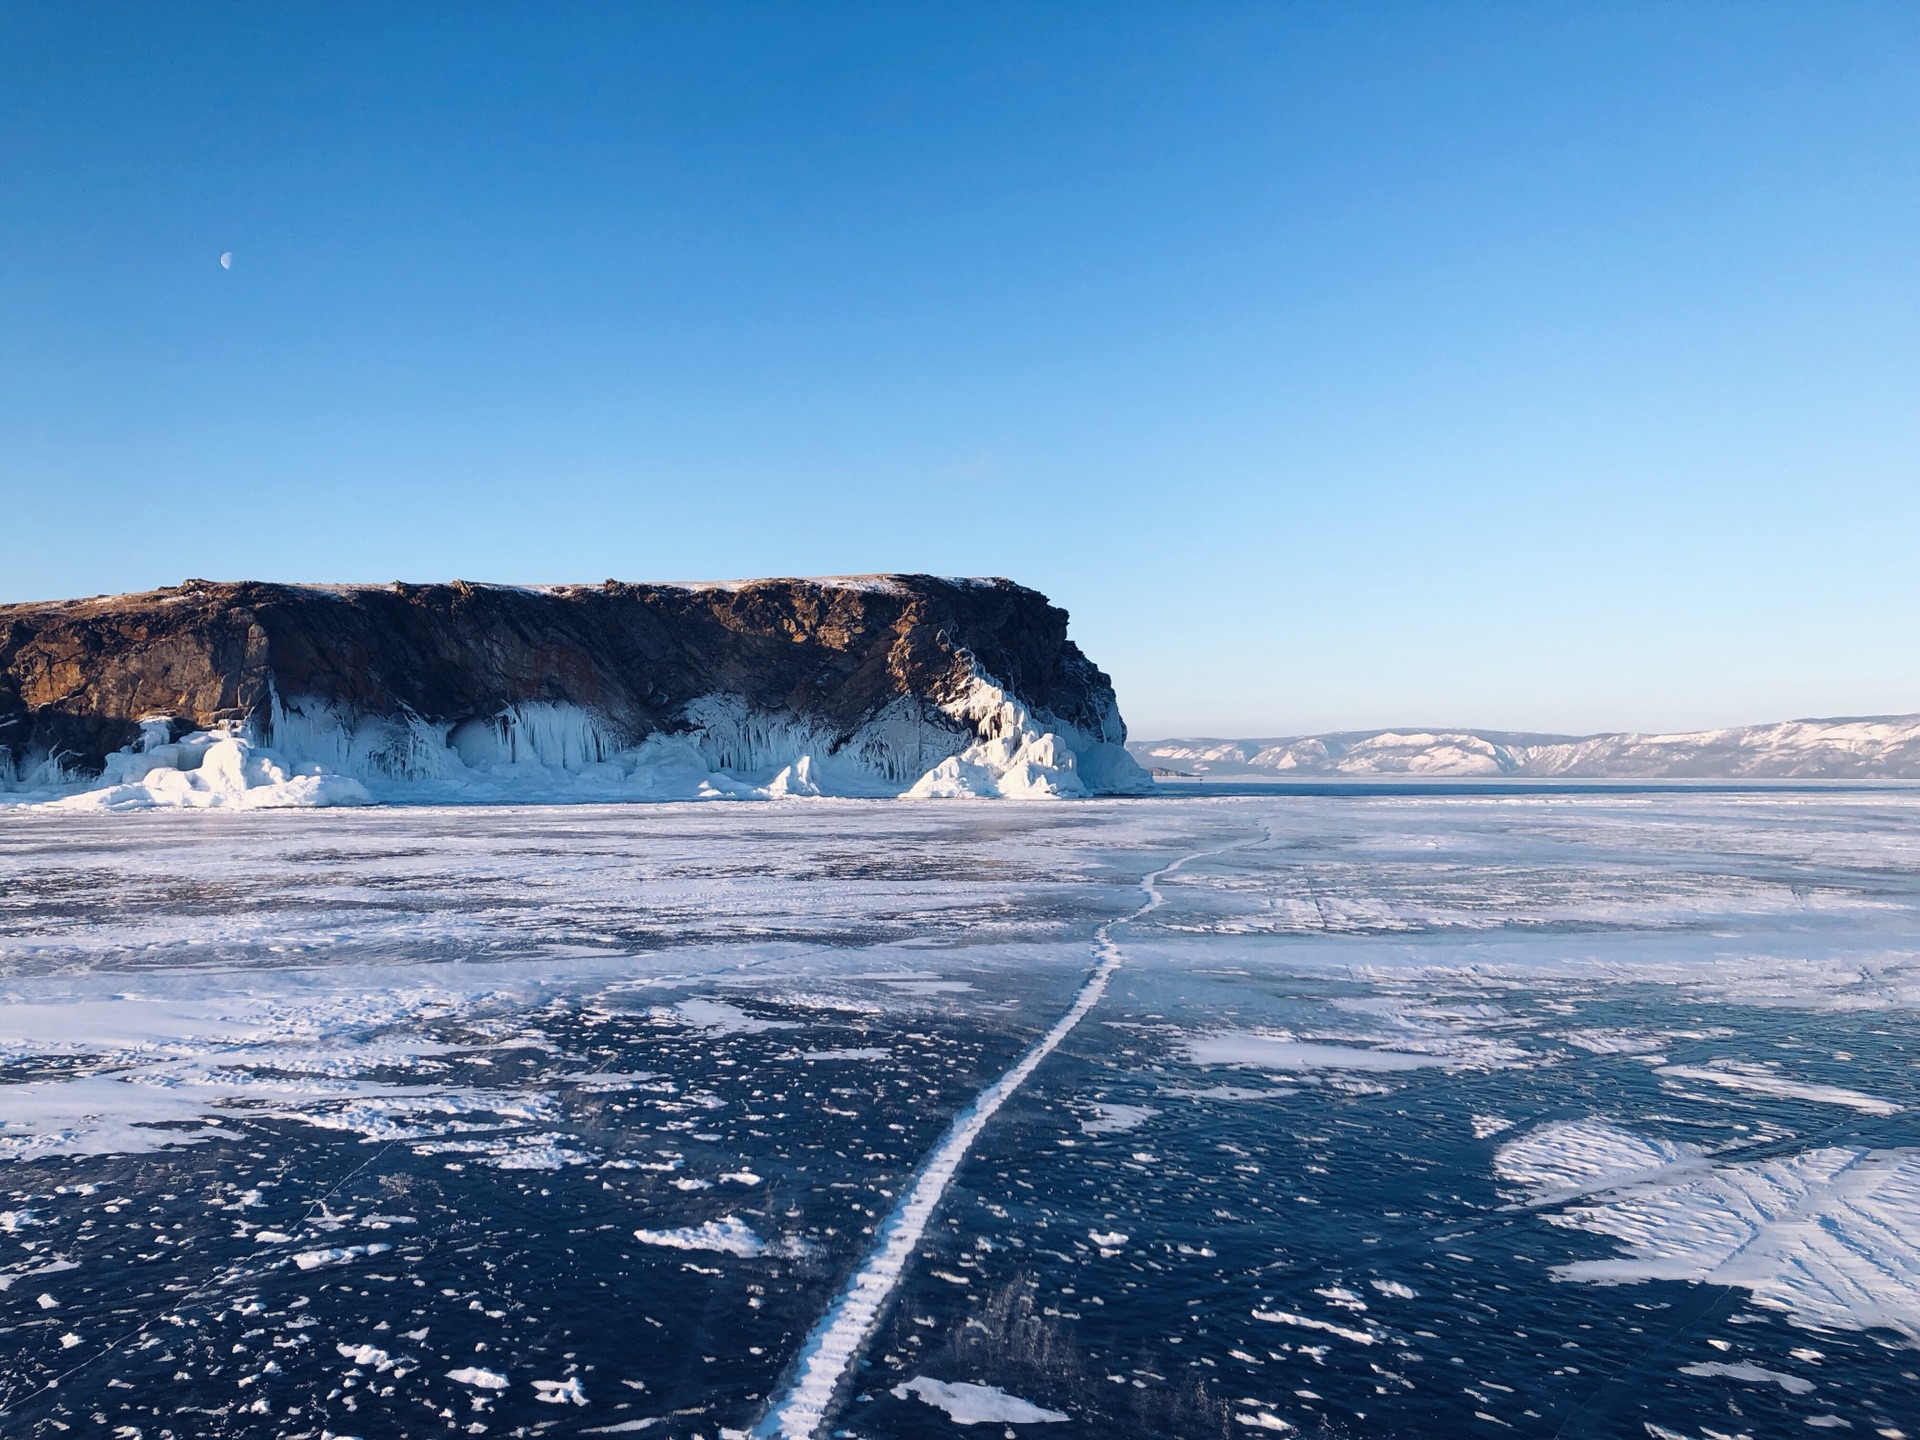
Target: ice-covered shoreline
(546,753)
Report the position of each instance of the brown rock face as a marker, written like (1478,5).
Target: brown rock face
(77,676)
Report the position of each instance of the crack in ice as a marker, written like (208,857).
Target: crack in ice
(843,1330)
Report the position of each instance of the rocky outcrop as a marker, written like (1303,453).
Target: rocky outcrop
(860,685)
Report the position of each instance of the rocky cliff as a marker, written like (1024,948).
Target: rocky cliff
(268,693)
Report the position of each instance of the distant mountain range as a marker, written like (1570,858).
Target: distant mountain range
(1874,747)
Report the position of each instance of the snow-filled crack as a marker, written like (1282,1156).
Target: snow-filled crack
(848,1323)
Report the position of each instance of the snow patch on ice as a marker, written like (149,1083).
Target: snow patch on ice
(729,1235)
(1280,1052)
(152,1067)
(1830,1236)
(1569,1158)
(1764,1080)
(384,1117)
(1307,1322)
(514,1152)
(970,1404)
(100,1115)
(335,1255)
(717,1017)
(1229,1092)
(1118,1119)
(1262,1420)
(560,1392)
(1747,1370)
(478,1378)
(1614,1042)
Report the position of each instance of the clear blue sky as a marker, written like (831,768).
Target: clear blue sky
(1529,365)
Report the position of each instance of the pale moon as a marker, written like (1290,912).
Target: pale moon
(226,260)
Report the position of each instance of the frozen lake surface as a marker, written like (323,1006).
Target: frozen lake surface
(1578,1115)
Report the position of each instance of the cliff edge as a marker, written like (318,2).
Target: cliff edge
(264,694)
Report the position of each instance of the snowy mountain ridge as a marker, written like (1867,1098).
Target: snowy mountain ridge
(1876,747)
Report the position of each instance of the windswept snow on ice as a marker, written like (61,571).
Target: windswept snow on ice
(478,1377)
(514,1152)
(1747,1370)
(970,1404)
(1307,1322)
(335,1255)
(560,1392)
(102,1115)
(1572,1157)
(719,1018)
(729,1235)
(142,1069)
(1598,1041)
(1767,1080)
(1284,1052)
(1117,1119)
(1829,1236)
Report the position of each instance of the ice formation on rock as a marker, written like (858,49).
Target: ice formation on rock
(211,769)
(1019,756)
